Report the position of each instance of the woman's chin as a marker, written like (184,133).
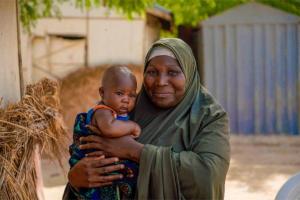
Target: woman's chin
(163,103)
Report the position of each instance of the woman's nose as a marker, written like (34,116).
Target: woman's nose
(162,80)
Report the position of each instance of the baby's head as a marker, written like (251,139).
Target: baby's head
(118,89)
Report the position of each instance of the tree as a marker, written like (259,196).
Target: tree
(191,12)
(186,12)
(31,10)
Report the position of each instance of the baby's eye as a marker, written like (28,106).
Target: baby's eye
(132,95)
(119,93)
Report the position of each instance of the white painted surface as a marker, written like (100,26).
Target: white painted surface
(116,41)
(109,40)
(60,26)
(55,57)
(112,39)
(9,68)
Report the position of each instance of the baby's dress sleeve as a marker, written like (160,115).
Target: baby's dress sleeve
(79,130)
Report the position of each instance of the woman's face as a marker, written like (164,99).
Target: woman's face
(164,81)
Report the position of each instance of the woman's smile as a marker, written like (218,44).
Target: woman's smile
(164,81)
(162,94)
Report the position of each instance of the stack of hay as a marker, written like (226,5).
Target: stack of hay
(33,122)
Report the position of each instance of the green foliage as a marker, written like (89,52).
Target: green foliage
(127,7)
(191,12)
(186,12)
(31,10)
(292,6)
(130,7)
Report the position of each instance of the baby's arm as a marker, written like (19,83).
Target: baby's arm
(110,127)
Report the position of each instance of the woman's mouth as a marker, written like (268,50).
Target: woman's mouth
(162,94)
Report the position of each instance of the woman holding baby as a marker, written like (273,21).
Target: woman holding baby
(183,150)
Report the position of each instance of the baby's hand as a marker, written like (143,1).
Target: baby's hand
(137,131)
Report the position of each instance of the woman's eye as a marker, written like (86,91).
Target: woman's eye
(151,72)
(173,73)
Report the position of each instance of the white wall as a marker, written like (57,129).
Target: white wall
(116,41)
(9,68)
(60,26)
(112,38)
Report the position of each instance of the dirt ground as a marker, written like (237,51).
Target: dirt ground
(259,164)
(259,167)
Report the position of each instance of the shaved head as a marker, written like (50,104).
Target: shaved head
(117,75)
(118,89)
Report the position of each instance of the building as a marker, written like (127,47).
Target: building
(251,64)
(56,47)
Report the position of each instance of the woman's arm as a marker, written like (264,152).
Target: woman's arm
(123,147)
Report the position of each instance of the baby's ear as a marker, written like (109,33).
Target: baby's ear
(101,92)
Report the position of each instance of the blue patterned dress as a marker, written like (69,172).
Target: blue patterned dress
(121,189)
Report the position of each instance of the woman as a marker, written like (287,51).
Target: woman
(184,150)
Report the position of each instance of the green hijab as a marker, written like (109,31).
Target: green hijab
(187,150)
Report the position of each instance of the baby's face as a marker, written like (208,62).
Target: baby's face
(120,96)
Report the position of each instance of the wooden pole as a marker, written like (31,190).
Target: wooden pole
(10,81)
(11,76)
(86,44)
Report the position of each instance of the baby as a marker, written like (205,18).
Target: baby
(110,116)
(118,93)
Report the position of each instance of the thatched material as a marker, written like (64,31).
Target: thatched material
(34,121)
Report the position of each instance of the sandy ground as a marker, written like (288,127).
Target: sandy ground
(259,164)
(259,167)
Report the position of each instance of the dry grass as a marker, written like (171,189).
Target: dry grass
(33,122)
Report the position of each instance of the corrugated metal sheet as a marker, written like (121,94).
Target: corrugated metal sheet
(253,69)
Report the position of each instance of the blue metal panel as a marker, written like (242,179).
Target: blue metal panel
(220,75)
(259,80)
(245,89)
(208,45)
(280,83)
(292,78)
(269,77)
(254,72)
(231,78)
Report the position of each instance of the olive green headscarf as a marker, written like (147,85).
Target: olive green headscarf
(187,150)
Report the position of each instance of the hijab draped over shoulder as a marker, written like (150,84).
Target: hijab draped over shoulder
(187,151)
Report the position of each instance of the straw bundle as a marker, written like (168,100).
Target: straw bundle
(34,121)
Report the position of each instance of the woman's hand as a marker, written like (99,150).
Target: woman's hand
(123,147)
(91,172)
